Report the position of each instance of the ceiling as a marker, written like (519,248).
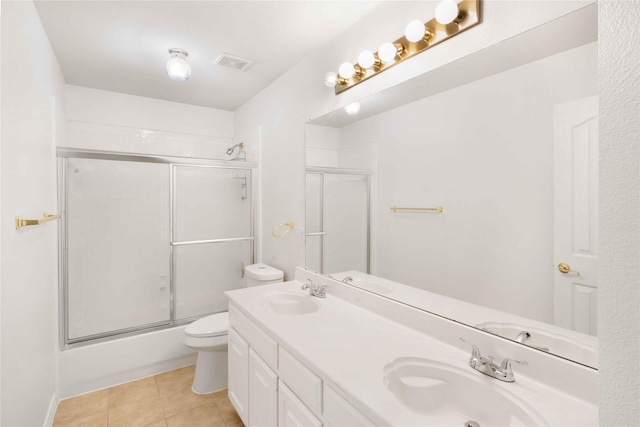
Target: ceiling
(122,46)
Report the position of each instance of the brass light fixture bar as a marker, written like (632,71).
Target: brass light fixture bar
(435,33)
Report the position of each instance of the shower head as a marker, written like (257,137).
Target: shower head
(230,149)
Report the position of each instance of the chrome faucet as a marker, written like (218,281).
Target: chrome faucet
(524,336)
(315,290)
(347,279)
(502,372)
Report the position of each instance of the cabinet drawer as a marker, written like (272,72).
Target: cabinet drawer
(292,412)
(339,413)
(258,340)
(303,382)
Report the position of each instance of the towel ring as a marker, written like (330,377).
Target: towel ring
(289,226)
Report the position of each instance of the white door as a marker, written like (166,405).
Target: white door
(576,215)
(263,393)
(238,350)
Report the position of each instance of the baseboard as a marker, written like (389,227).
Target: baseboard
(51,412)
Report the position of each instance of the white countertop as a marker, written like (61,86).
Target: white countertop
(348,347)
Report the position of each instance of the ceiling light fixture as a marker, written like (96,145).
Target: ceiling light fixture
(418,37)
(177,66)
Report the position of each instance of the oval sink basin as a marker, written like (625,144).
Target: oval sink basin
(291,303)
(447,395)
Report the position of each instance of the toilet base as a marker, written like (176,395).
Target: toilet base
(211,370)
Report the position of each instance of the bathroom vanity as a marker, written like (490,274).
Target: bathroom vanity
(355,358)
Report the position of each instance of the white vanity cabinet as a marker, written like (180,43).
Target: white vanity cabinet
(269,387)
(263,393)
(293,413)
(253,382)
(238,391)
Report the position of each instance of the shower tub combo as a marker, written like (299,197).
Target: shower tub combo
(148,244)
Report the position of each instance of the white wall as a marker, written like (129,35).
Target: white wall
(103,120)
(619,263)
(30,125)
(0,227)
(322,146)
(485,151)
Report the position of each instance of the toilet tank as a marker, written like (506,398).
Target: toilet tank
(261,274)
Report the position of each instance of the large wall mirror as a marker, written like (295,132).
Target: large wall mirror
(505,141)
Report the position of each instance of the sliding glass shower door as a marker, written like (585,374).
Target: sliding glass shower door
(212,236)
(149,242)
(118,258)
(337,221)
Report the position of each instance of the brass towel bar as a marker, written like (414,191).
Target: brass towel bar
(396,208)
(25,222)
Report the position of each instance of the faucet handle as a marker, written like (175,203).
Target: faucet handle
(475,352)
(310,285)
(505,366)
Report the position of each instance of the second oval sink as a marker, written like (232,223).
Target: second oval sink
(451,396)
(291,303)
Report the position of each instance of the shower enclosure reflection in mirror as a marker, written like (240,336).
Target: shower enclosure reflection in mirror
(484,146)
(148,242)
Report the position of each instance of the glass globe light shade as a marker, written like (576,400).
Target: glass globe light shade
(178,68)
(366,59)
(447,11)
(414,31)
(331,79)
(352,109)
(346,70)
(387,52)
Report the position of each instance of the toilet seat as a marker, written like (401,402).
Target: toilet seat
(209,326)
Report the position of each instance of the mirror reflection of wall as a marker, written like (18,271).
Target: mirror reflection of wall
(485,152)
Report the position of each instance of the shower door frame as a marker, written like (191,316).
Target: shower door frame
(63,154)
(323,172)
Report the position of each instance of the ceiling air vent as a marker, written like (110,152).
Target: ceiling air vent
(235,62)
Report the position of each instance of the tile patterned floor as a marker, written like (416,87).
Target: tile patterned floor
(164,400)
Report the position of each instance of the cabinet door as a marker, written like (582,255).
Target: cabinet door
(263,393)
(239,374)
(292,412)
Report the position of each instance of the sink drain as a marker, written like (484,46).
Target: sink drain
(472,423)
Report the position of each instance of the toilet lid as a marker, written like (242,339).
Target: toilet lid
(263,272)
(210,326)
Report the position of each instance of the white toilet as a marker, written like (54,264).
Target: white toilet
(209,335)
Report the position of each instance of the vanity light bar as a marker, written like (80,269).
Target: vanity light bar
(435,32)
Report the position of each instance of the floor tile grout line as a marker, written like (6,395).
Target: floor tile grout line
(179,379)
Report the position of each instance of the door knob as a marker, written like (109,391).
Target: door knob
(565,268)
